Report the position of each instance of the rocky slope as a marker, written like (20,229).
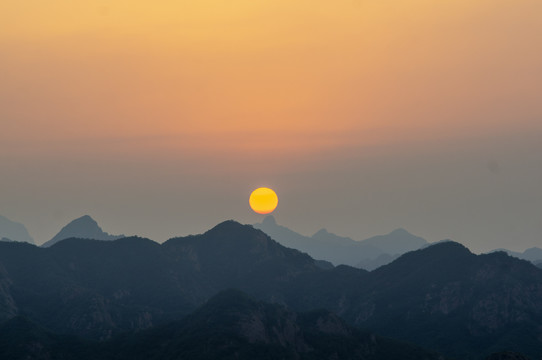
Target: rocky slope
(231,325)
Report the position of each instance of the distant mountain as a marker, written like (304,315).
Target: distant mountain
(397,242)
(230,325)
(374,263)
(367,254)
(14,231)
(533,254)
(441,297)
(84,227)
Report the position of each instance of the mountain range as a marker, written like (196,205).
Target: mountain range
(441,297)
(367,254)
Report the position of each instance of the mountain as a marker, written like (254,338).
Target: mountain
(231,325)
(533,254)
(506,355)
(323,245)
(98,288)
(397,242)
(21,339)
(84,227)
(14,231)
(441,297)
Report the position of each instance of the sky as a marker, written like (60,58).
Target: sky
(158,118)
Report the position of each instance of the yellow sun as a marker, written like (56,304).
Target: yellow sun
(263,200)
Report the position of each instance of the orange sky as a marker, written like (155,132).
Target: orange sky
(281,71)
(262,85)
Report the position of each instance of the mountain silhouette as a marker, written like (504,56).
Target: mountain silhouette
(441,297)
(485,303)
(107,287)
(14,231)
(84,227)
(323,245)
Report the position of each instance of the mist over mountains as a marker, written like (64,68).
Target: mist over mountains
(367,254)
(441,297)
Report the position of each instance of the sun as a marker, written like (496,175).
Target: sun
(263,200)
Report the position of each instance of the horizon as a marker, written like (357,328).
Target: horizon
(40,243)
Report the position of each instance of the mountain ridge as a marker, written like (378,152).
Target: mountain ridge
(84,227)
(425,297)
(368,254)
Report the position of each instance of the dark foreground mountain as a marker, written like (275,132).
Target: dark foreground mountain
(84,227)
(507,355)
(442,297)
(13,231)
(368,254)
(97,288)
(231,325)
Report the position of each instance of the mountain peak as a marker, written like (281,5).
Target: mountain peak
(269,220)
(448,246)
(84,227)
(321,232)
(400,231)
(228,226)
(14,231)
(399,241)
(85,218)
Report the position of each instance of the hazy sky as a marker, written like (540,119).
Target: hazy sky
(158,118)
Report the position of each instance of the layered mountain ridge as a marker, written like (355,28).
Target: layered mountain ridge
(367,254)
(95,289)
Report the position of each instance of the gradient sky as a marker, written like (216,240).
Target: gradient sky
(158,118)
